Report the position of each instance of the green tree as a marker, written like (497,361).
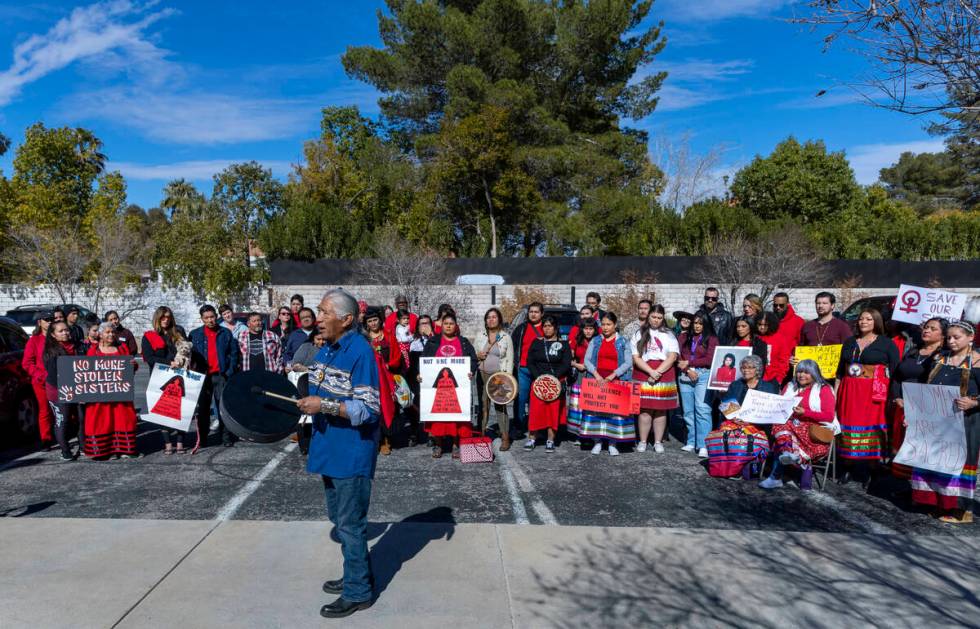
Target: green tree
(248,196)
(704,222)
(180,195)
(926,181)
(799,181)
(541,88)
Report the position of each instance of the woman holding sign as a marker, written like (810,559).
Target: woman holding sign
(864,374)
(57,343)
(795,443)
(549,355)
(110,427)
(608,358)
(952,496)
(159,345)
(655,351)
(449,344)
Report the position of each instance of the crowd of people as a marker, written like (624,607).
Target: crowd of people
(858,409)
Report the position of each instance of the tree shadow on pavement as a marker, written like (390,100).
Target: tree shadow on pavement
(768,579)
(26,510)
(403,540)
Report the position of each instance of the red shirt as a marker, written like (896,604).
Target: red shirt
(211,337)
(531,332)
(450,347)
(608,359)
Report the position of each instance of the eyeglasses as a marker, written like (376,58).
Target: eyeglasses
(780,306)
(706,298)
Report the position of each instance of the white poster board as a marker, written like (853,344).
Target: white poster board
(936,436)
(916,304)
(171,396)
(726,366)
(766,408)
(445,391)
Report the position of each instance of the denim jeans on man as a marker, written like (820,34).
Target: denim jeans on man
(697,412)
(523,399)
(347,507)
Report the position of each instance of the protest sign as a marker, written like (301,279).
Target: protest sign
(612,398)
(445,391)
(725,366)
(827,357)
(84,379)
(916,304)
(171,396)
(766,408)
(935,438)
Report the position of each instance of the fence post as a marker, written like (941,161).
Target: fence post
(573,295)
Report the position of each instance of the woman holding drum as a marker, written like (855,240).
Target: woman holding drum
(496,354)
(550,361)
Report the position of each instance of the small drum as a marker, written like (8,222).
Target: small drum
(546,388)
(501,388)
(253,415)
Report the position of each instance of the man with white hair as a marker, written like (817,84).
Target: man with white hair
(344,400)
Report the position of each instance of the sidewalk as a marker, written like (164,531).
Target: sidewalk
(164,573)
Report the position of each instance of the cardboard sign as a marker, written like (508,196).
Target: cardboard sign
(171,396)
(85,379)
(827,357)
(445,393)
(936,436)
(725,367)
(916,304)
(612,398)
(766,408)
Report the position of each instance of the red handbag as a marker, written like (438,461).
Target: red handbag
(476,450)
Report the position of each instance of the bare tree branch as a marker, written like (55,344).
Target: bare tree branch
(691,177)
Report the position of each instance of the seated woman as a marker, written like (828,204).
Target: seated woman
(794,445)
(729,449)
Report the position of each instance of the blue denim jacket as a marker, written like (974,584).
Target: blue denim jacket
(625,369)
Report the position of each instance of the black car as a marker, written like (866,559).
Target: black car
(26,316)
(18,406)
(566,314)
(885,304)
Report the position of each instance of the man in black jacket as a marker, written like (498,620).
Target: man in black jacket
(721,319)
(522,338)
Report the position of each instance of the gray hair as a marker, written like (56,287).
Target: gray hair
(105,326)
(343,303)
(753,361)
(811,368)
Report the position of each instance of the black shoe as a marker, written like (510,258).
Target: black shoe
(65,458)
(227,442)
(333,587)
(342,607)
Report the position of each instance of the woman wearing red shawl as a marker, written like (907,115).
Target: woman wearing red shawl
(450,344)
(389,360)
(110,427)
(58,343)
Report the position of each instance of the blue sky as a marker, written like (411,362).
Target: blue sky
(181,89)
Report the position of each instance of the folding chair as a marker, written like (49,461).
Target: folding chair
(827,465)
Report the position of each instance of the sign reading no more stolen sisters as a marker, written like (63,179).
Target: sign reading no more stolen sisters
(84,379)
(445,391)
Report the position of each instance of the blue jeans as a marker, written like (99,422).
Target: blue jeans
(347,508)
(523,398)
(697,412)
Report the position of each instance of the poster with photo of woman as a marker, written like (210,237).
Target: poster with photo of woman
(724,366)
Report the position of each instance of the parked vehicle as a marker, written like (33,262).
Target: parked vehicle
(885,304)
(566,314)
(18,407)
(26,316)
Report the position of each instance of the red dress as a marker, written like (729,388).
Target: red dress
(388,359)
(110,427)
(449,429)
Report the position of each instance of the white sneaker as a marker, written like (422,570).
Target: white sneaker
(771,483)
(658,447)
(597,448)
(687,449)
(789,458)
(641,447)
(613,451)
(703,453)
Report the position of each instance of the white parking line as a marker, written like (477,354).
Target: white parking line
(231,507)
(537,505)
(520,513)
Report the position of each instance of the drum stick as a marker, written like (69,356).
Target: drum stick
(259,390)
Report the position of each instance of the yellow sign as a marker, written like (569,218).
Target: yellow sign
(826,356)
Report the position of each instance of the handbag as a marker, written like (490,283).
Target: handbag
(820,434)
(476,450)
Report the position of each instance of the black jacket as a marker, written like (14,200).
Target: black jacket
(721,321)
(517,338)
(549,357)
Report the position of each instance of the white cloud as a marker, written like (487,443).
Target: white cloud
(694,82)
(197,170)
(708,10)
(839,98)
(868,159)
(88,32)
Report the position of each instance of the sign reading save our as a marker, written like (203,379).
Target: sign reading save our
(916,304)
(612,398)
(84,379)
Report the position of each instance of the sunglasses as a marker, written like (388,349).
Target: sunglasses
(780,306)
(706,298)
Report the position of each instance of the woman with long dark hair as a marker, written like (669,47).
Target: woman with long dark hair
(609,358)
(496,353)
(697,350)
(389,361)
(550,356)
(746,335)
(57,344)
(655,351)
(159,345)
(423,332)
(33,364)
(578,342)
(284,324)
(450,344)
